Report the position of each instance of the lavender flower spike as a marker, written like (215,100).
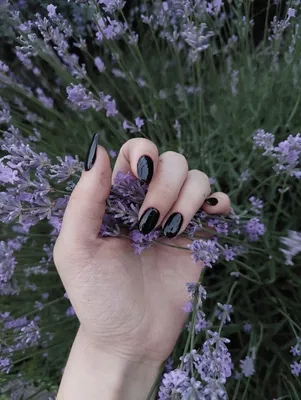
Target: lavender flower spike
(206,252)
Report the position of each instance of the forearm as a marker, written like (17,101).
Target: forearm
(94,374)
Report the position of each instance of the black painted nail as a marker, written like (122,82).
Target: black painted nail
(91,153)
(149,220)
(173,225)
(212,201)
(145,169)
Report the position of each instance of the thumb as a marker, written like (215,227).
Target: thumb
(87,204)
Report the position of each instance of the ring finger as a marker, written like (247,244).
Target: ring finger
(163,191)
(193,194)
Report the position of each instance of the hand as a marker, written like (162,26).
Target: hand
(128,305)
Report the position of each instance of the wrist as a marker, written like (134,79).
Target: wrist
(95,373)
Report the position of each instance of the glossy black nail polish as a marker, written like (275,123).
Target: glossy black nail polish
(173,225)
(145,168)
(149,220)
(212,201)
(91,153)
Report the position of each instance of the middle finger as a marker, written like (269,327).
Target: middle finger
(163,191)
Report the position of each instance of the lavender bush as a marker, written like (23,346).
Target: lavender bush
(187,75)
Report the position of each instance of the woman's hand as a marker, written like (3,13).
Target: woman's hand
(130,306)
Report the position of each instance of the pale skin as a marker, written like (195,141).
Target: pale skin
(130,307)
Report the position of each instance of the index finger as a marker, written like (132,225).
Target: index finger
(138,156)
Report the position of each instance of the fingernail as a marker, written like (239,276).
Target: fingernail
(91,154)
(145,168)
(173,225)
(212,201)
(149,220)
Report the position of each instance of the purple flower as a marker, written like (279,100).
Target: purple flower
(113,153)
(109,29)
(6,365)
(110,106)
(201,324)
(4,315)
(38,270)
(197,37)
(142,242)
(296,368)
(293,244)
(70,312)
(38,305)
(296,350)
(278,27)
(30,286)
(257,204)
(287,154)
(16,323)
(291,12)
(228,253)
(247,366)
(112,5)
(45,100)
(7,175)
(81,98)
(118,73)
(264,140)
(139,122)
(21,156)
(254,228)
(29,334)
(128,188)
(224,313)
(206,252)
(99,64)
(51,10)
(192,288)
(7,263)
(3,67)
(129,126)
(221,227)
(188,307)
(67,167)
(56,30)
(5,115)
(202,294)
(174,383)
(214,363)
(168,364)
(247,327)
